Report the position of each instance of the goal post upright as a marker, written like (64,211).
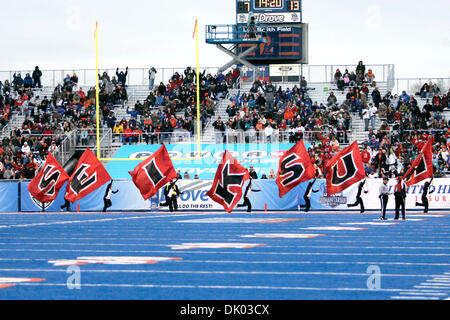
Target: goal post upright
(97,103)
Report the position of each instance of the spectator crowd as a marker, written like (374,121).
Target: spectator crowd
(48,120)
(266,113)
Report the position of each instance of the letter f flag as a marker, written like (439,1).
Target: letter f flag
(47,183)
(294,168)
(227,186)
(154,173)
(344,169)
(89,175)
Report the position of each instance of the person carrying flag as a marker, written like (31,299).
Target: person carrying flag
(426,188)
(307,195)
(66,204)
(359,200)
(247,193)
(171,192)
(400,196)
(107,197)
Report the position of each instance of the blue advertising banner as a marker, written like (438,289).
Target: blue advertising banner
(127,199)
(193,198)
(8,197)
(263,157)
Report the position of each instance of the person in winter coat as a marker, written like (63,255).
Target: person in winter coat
(122,77)
(28,81)
(37,74)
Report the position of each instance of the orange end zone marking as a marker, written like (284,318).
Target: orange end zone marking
(6,285)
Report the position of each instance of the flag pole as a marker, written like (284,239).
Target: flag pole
(97,92)
(198,91)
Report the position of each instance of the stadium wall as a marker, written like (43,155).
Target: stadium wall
(14,197)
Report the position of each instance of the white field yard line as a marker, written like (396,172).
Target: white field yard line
(223,287)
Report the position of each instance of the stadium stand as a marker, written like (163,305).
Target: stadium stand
(390,128)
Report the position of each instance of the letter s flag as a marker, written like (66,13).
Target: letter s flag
(47,183)
(294,168)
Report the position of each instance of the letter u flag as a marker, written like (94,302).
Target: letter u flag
(154,173)
(228,182)
(344,169)
(89,175)
(47,183)
(294,168)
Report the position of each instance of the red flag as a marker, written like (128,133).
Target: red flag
(422,167)
(344,169)
(294,168)
(89,175)
(154,173)
(227,186)
(47,183)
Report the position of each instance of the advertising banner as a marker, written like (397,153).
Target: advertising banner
(127,199)
(9,197)
(271,17)
(265,192)
(194,198)
(263,157)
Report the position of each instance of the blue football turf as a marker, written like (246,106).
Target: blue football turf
(413,257)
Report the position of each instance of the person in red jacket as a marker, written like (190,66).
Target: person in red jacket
(127,136)
(366,156)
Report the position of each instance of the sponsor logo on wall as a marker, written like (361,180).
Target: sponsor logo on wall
(333,201)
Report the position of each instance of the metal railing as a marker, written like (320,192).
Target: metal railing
(253,136)
(413,85)
(177,136)
(232,33)
(140,76)
(87,77)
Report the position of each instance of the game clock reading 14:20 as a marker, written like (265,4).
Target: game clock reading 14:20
(266,4)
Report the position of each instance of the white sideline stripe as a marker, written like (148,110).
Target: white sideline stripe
(161,244)
(195,251)
(424,293)
(436,287)
(414,298)
(279,262)
(443,279)
(439,280)
(181,286)
(191,239)
(223,272)
(87,221)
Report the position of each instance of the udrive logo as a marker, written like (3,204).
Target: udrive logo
(269,18)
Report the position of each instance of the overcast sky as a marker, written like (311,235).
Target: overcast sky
(414,35)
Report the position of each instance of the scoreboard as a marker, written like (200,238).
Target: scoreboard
(269,11)
(281,23)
